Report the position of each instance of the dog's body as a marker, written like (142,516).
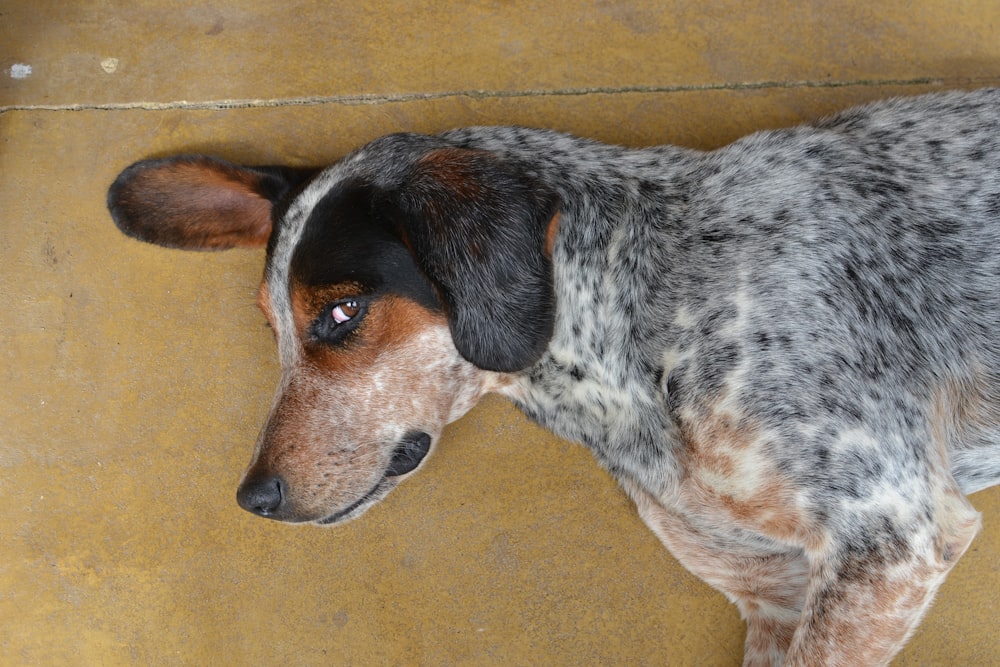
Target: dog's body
(787,350)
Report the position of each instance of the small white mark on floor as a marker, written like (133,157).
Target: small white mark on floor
(20,71)
(110,65)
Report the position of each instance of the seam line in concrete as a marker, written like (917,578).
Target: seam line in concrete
(376,99)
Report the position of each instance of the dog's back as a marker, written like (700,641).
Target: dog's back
(869,251)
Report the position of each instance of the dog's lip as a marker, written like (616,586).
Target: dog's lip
(386,483)
(342,513)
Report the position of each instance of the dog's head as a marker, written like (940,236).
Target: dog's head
(401,284)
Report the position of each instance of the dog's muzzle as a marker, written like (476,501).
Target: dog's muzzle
(268,495)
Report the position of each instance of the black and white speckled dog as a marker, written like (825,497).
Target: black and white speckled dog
(787,350)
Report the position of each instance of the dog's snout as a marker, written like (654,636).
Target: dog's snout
(408,455)
(263,496)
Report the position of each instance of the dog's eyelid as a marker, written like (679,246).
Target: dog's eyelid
(338,319)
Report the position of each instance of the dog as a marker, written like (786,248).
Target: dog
(787,350)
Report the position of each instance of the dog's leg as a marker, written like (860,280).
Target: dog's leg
(767,586)
(870,585)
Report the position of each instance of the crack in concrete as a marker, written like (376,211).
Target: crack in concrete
(393,98)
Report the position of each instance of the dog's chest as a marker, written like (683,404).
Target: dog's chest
(593,384)
(623,422)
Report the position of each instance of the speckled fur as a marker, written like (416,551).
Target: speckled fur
(787,350)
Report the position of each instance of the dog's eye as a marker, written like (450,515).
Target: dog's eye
(344,312)
(338,320)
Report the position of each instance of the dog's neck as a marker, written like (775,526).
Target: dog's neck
(585,387)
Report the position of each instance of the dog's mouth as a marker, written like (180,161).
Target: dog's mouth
(409,453)
(377,492)
(412,449)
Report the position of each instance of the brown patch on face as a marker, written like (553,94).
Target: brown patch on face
(345,406)
(389,321)
(308,302)
(314,452)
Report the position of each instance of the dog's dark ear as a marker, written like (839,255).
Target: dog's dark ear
(479,229)
(200,203)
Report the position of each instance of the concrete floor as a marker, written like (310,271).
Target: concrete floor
(134,379)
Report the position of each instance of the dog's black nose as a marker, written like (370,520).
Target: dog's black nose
(262,496)
(411,451)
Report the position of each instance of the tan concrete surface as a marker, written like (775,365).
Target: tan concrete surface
(134,379)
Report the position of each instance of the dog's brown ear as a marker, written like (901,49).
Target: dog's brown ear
(478,228)
(199,203)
